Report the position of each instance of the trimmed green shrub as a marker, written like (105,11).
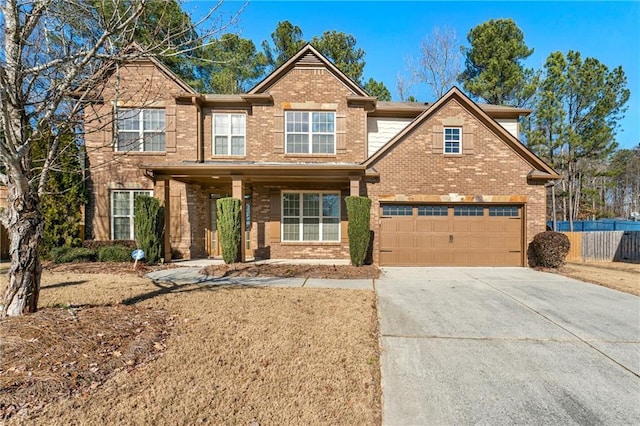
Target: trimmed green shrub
(114,254)
(550,249)
(358,213)
(229,227)
(72,255)
(97,244)
(148,224)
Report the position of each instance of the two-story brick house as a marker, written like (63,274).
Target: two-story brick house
(450,183)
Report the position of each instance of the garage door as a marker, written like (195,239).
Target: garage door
(461,235)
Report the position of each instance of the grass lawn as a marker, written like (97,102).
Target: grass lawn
(118,349)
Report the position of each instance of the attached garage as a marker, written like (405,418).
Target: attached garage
(451,235)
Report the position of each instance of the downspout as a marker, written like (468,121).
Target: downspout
(195,100)
(149,175)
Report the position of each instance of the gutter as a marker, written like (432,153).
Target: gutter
(195,100)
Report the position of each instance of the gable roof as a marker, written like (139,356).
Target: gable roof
(170,74)
(308,56)
(106,70)
(541,169)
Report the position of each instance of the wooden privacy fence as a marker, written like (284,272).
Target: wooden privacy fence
(604,246)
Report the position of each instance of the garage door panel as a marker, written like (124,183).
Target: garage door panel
(431,224)
(472,236)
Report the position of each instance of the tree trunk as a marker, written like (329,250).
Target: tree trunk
(24,224)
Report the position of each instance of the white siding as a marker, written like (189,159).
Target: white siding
(381,130)
(510,125)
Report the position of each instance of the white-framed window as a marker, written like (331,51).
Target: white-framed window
(140,130)
(229,134)
(310,132)
(122,213)
(452,140)
(310,216)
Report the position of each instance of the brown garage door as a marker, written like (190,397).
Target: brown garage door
(461,235)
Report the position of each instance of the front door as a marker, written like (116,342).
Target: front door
(213,242)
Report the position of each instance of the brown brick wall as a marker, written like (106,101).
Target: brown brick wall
(139,85)
(413,171)
(265,236)
(319,90)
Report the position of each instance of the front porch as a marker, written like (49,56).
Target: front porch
(290,210)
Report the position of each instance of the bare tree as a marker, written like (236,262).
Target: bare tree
(53,61)
(404,85)
(439,63)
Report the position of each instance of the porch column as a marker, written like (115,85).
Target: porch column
(237,191)
(354,186)
(167,221)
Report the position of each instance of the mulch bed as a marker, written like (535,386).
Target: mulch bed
(338,272)
(69,351)
(121,268)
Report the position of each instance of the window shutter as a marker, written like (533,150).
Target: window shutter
(341,134)
(467,140)
(278,133)
(274,217)
(437,139)
(344,219)
(170,128)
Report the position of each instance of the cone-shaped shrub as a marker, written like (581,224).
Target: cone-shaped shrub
(550,249)
(358,213)
(148,223)
(229,227)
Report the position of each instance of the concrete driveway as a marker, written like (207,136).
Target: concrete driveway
(506,346)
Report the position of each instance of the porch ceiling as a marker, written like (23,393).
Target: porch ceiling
(210,173)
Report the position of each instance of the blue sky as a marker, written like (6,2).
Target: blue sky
(390,32)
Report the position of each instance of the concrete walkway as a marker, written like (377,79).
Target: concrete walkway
(189,273)
(505,346)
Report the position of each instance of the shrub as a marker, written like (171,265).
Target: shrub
(229,227)
(97,244)
(358,213)
(550,249)
(148,223)
(72,255)
(114,253)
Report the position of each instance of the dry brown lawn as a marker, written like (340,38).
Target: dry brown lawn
(190,354)
(616,275)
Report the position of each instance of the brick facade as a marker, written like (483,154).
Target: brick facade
(492,172)
(412,169)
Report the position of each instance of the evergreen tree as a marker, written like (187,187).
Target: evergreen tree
(234,65)
(493,64)
(64,193)
(573,127)
(338,47)
(287,40)
(377,89)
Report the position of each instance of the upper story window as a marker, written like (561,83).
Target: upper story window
(140,130)
(452,140)
(310,132)
(229,134)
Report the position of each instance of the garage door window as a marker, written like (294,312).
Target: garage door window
(432,210)
(468,211)
(511,211)
(397,210)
